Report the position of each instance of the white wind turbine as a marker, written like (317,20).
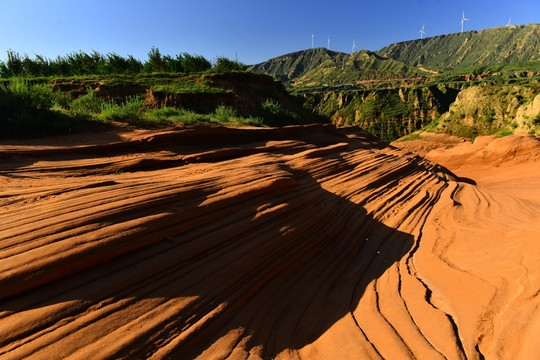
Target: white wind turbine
(422,32)
(312,40)
(353,46)
(462,20)
(329,43)
(509,21)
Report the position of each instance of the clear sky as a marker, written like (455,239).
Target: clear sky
(253,30)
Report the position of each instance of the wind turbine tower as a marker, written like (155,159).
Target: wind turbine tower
(329,43)
(463,20)
(509,21)
(422,32)
(312,39)
(353,46)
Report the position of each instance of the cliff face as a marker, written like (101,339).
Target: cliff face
(489,109)
(460,109)
(387,113)
(490,46)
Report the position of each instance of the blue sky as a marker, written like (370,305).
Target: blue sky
(252,30)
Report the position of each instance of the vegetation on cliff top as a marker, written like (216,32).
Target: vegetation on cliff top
(41,106)
(83,64)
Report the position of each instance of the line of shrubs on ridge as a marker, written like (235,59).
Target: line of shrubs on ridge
(81,63)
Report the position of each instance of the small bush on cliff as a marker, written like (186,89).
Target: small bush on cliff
(505,132)
(87,105)
(25,110)
(536,120)
(130,111)
(225,113)
(19,95)
(272,107)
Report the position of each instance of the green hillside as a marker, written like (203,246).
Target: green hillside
(467,84)
(516,43)
(361,65)
(294,65)
(509,44)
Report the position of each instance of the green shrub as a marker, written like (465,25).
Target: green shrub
(225,114)
(411,137)
(25,111)
(156,62)
(224,64)
(249,121)
(272,107)
(490,115)
(20,95)
(131,111)
(81,63)
(521,99)
(505,132)
(62,100)
(166,114)
(193,63)
(88,105)
(222,115)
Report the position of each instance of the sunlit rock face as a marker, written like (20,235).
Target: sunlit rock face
(303,242)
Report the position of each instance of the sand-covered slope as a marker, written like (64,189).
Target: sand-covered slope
(292,243)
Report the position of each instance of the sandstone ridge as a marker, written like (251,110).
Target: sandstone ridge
(302,242)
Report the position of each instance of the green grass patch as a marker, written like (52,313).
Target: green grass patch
(131,111)
(505,132)
(411,137)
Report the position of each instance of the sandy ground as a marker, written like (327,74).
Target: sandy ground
(292,243)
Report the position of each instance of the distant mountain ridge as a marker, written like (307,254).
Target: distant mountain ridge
(361,65)
(505,44)
(516,43)
(290,66)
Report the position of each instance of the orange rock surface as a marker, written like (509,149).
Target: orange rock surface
(303,242)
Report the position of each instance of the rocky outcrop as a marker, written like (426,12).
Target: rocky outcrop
(298,242)
(485,110)
(387,113)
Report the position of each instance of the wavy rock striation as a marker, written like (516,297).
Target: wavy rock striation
(292,243)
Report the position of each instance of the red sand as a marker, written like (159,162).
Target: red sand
(293,243)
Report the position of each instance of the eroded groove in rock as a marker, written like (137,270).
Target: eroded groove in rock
(291,243)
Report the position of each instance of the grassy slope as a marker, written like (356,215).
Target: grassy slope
(291,66)
(362,65)
(494,45)
(96,102)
